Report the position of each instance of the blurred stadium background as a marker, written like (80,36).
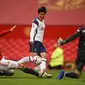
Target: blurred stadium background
(64,17)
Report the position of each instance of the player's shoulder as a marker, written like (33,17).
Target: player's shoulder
(36,21)
(81,28)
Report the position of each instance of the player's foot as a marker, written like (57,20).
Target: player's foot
(46,75)
(60,75)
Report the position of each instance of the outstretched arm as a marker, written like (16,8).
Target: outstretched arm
(72,37)
(7,31)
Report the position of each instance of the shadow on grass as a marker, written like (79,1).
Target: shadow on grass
(11,77)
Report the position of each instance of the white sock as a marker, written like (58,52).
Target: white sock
(44,59)
(25,59)
(42,67)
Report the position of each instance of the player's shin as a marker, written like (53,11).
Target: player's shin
(42,71)
(29,71)
(42,66)
(71,75)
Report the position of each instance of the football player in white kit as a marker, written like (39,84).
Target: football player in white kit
(36,39)
(7,66)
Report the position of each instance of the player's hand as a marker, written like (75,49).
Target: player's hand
(13,28)
(60,41)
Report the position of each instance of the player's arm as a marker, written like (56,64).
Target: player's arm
(33,32)
(72,37)
(7,31)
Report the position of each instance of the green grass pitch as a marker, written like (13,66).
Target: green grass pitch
(20,78)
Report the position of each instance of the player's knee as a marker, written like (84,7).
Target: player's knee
(20,65)
(43,55)
(77,76)
(78,73)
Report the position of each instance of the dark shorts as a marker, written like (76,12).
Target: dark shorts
(37,47)
(79,63)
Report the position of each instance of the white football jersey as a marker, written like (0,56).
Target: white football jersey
(37,30)
(7,64)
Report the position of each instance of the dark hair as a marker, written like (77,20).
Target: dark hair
(42,9)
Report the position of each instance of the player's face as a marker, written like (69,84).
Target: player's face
(41,15)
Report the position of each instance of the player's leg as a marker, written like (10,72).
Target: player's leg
(33,49)
(43,63)
(25,60)
(36,49)
(76,74)
(78,70)
(41,73)
(29,71)
(43,55)
(42,70)
(16,65)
